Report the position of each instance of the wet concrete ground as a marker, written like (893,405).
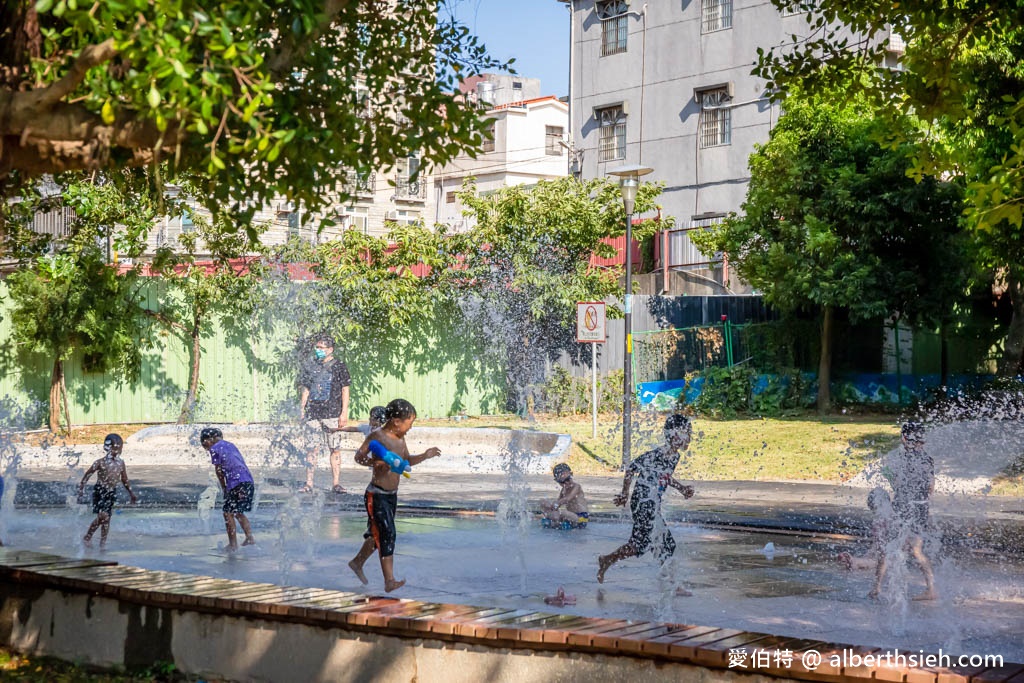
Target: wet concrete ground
(798,591)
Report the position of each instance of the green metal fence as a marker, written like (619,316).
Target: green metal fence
(251,380)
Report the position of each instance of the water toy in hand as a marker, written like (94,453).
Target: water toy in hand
(397,463)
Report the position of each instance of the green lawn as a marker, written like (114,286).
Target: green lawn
(801,448)
(33,669)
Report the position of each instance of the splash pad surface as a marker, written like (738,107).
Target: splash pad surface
(796,591)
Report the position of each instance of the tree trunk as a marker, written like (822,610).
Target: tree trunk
(943,357)
(193,377)
(825,363)
(1013,348)
(56,384)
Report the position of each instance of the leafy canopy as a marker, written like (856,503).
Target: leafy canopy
(832,219)
(258,99)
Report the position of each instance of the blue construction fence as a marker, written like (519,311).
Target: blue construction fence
(888,389)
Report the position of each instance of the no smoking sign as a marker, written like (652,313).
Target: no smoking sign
(590,321)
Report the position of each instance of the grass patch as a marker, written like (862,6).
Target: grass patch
(805,448)
(34,669)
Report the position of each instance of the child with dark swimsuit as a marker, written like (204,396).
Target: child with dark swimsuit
(381,498)
(913,480)
(109,470)
(653,473)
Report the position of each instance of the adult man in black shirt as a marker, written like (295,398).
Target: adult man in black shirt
(323,401)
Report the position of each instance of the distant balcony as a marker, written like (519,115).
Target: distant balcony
(410,190)
(361,184)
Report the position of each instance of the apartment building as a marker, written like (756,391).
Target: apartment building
(527,142)
(667,84)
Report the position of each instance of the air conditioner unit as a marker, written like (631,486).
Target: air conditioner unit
(285,207)
(391,216)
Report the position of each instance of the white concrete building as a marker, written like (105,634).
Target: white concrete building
(668,85)
(528,144)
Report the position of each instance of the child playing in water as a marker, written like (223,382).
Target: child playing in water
(236,482)
(381,497)
(571,506)
(653,473)
(109,469)
(376,422)
(882,532)
(913,480)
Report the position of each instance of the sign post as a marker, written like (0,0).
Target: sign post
(590,329)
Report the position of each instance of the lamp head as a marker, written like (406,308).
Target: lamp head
(629,182)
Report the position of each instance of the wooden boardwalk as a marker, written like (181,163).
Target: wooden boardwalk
(489,627)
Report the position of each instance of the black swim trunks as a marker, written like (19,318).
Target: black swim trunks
(103,499)
(239,499)
(380,518)
(649,527)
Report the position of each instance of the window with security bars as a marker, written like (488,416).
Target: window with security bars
(553,139)
(612,140)
(716,15)
(614,26)
(715,118)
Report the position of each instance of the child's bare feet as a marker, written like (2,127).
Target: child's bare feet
(232,547)
(873,595)
(603,562)
(249,540)
(87,542)
(927,595)
(393,585)
(357,569)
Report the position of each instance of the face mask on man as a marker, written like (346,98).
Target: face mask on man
(320,354)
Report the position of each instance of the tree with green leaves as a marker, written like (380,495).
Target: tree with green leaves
(832,221)
(73,300)
(259,99)
(962,76)
(525,264)
(210,276)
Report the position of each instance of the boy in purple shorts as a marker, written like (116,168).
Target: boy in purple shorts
(236,481)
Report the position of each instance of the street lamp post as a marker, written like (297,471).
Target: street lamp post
(629,181)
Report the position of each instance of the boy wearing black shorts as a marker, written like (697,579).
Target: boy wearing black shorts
(381,498)
(236,482)
(653,473)
(109,470)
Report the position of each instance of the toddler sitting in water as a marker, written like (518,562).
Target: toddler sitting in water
(570,510)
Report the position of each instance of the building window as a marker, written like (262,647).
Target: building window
(612,142)
(408,184)
(715,118)
(489,134)
(355,218)
(553,140)
(403,217)
(517,85)
(614,26)
(715,15)
(449,198)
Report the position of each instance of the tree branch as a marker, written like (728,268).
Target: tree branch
(280,64)
(91,55)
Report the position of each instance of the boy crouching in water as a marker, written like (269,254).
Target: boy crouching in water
(109,471)
(571,506)
(236,481)
(381,497)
